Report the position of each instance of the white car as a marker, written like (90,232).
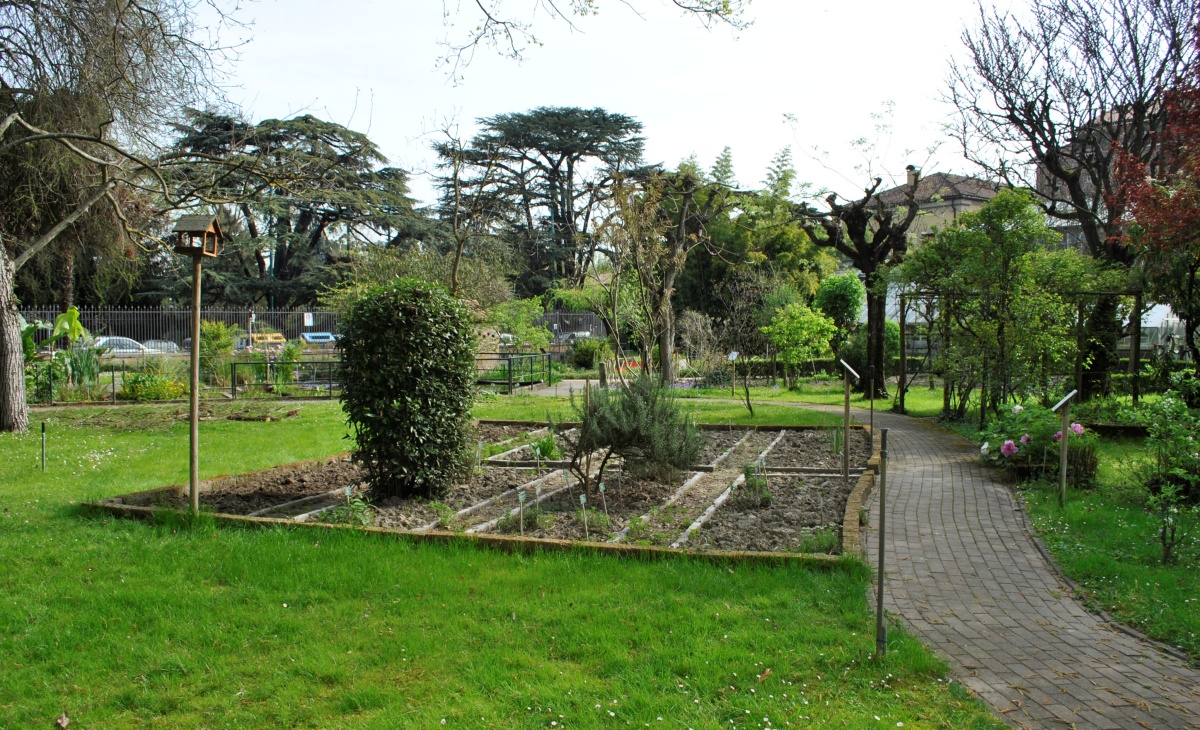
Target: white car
(120,346)
(165,347)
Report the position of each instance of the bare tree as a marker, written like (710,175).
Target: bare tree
(495,26)
(873,235)
(90,83)
(1045,96)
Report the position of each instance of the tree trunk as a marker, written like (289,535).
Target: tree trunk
(14,415)
(874,378)
(666,347)
(1135,346)
(68,274)
(1103,331)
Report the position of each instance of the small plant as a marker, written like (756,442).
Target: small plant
(354,511)
(444,514)
(825,540)
(545,448)
(593,520)
(1176,518)
(754,490)
(535,519)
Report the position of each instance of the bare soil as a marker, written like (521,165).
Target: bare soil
(717,443)
(797,508)
(814,448)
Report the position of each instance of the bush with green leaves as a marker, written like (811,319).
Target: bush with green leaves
(640,422)
(1026,439)
(150,386)
(408,380)
(1174,476)
(589,352)
(216,349)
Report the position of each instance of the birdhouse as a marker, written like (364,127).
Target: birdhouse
(199,235)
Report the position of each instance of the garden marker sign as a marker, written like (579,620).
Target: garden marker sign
(846,427)
(1065,405)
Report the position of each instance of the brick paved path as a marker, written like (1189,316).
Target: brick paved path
(964,574)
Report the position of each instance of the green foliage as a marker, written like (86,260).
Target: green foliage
(587,353)
(150,387)
(641,422)
(800,333)
(519,318)
(841,298)
(217,340)
(1026,439)
(755,491)
(545,448)
(855,349)
(1173,434)
(407,374)
(354,510)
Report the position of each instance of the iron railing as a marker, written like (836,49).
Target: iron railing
(507,372)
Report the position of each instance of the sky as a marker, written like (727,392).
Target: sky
(815,77)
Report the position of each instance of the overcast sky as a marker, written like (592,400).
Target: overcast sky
(373,66)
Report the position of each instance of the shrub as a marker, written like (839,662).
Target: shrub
(641,422)
(755,490)
(588,352)
(216,348)
(407,375)
(1025,439)
(150,386)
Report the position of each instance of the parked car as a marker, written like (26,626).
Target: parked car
(161,347)
(570,338)
(120,346)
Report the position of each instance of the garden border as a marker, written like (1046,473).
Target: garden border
(852,542)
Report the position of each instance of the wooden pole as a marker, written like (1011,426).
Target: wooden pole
(194,416)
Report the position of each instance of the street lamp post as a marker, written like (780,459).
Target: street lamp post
(199,237)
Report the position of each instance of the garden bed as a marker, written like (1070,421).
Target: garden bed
(799,508)
(487,502)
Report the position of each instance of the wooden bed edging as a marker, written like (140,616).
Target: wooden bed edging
(134,505)
(503,543)
(701,426)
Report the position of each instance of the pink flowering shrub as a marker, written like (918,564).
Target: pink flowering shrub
(1029,438)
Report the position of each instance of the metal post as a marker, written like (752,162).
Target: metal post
(880,626)
(904,350)
(510,377)
(194,405)
(51,374)
(846,436)
(113,369)
(43,447)
(233,381)
(1062,455)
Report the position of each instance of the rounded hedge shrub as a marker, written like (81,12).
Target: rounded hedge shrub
(408,380)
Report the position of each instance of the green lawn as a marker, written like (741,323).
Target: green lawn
(920,401)
(1107,541)
(128,624)
(538,408)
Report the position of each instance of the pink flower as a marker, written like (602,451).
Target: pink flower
(1025,439)
(1008,449)
(1058,437)
(1077,428)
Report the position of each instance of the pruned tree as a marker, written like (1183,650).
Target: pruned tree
(873,235)
(1047,94)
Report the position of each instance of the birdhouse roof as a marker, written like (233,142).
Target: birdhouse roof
(197,224)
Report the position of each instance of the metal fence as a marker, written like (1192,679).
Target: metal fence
(506,372)
(175,324)
(562,324)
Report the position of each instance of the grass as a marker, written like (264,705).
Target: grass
(181,624)
(920,400)
(537,408)
(1107,541)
